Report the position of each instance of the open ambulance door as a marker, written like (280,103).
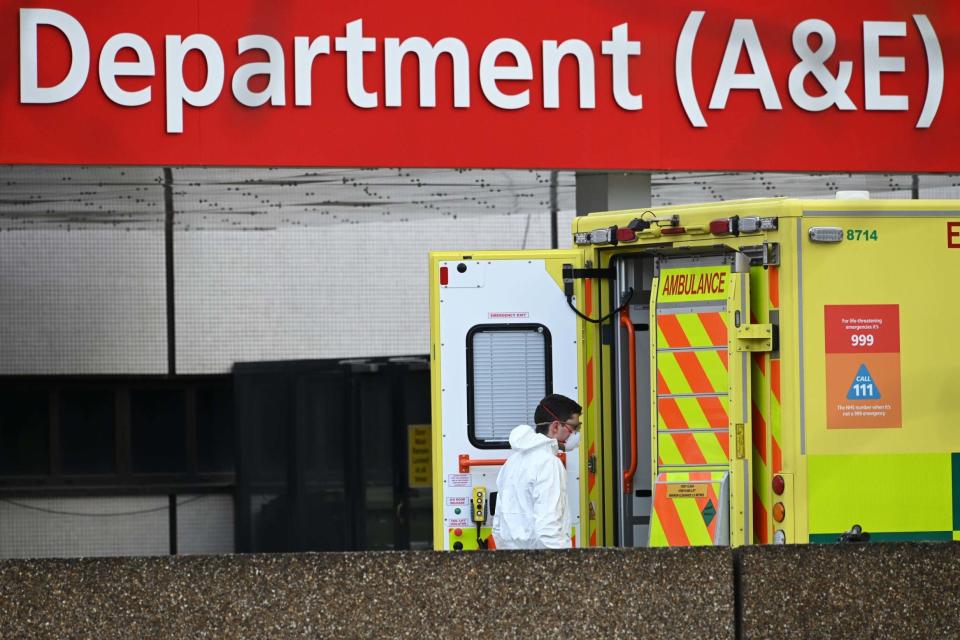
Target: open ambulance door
(502,337)
(700,399)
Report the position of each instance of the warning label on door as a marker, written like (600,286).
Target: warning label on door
(686,490)
(863,366)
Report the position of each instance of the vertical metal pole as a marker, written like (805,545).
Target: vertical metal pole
(915,189)
(173,523)
(554,239)
(242,521)
(356,507)
(54,408)
(397,374)
(168,255)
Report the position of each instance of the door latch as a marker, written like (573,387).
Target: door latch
(754,337)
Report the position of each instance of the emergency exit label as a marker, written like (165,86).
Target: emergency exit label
(862,366)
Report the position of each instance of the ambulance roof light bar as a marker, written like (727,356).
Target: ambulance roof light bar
(642,227)
(607,235)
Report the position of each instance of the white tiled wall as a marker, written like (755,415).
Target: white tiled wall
(205,524)
(82,302)
(113,526)
(322,292)
(77,527)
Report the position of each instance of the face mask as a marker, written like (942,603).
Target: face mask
(572,442)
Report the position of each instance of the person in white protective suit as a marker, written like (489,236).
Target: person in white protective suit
(531,510)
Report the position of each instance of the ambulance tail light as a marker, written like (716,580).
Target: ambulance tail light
(779,537)
(444,276)
(721,227)
(779,512)
(736,225)
(626,234)
(725,226)
(673,231)
(581,237)
(778,484)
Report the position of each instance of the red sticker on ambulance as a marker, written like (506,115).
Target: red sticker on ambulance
(862,366)
(953,235)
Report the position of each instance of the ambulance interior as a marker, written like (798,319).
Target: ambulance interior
(633,484)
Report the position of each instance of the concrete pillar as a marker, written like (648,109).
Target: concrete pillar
(601,191)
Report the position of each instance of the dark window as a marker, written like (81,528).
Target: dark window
(377,422)
(215,436)
(326,425)
(158,431)
(508,373)
(87,430)
(24,431)
(268,403)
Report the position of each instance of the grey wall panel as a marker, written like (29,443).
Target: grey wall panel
(205,524)
(349,290)
(92,526)
(84,301)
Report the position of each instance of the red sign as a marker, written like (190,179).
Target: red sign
(863,366)
(815,86)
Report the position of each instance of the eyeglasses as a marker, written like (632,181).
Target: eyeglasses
(571,427)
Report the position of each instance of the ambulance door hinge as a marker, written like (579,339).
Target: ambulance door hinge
(592,464)
(763,255)
(775,321)
(755,337)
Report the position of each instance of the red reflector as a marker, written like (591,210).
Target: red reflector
(626,235)
(778,485)
(444,276)
(672,231)
(720,227)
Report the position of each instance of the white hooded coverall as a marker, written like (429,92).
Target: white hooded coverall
(531,510)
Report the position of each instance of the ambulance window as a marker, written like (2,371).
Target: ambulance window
(508,373)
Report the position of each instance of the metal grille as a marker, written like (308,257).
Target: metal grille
(509,379)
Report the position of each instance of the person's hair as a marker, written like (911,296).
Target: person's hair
(554,407)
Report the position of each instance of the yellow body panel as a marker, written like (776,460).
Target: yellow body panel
(892,270)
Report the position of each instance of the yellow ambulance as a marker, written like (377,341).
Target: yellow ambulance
(757,371)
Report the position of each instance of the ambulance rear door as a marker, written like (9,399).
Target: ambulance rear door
(701,451)
(502,337)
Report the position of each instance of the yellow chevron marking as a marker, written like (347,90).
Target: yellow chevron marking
(692,520)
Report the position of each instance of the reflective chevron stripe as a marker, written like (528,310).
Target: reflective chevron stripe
(692,410)
(765,409)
